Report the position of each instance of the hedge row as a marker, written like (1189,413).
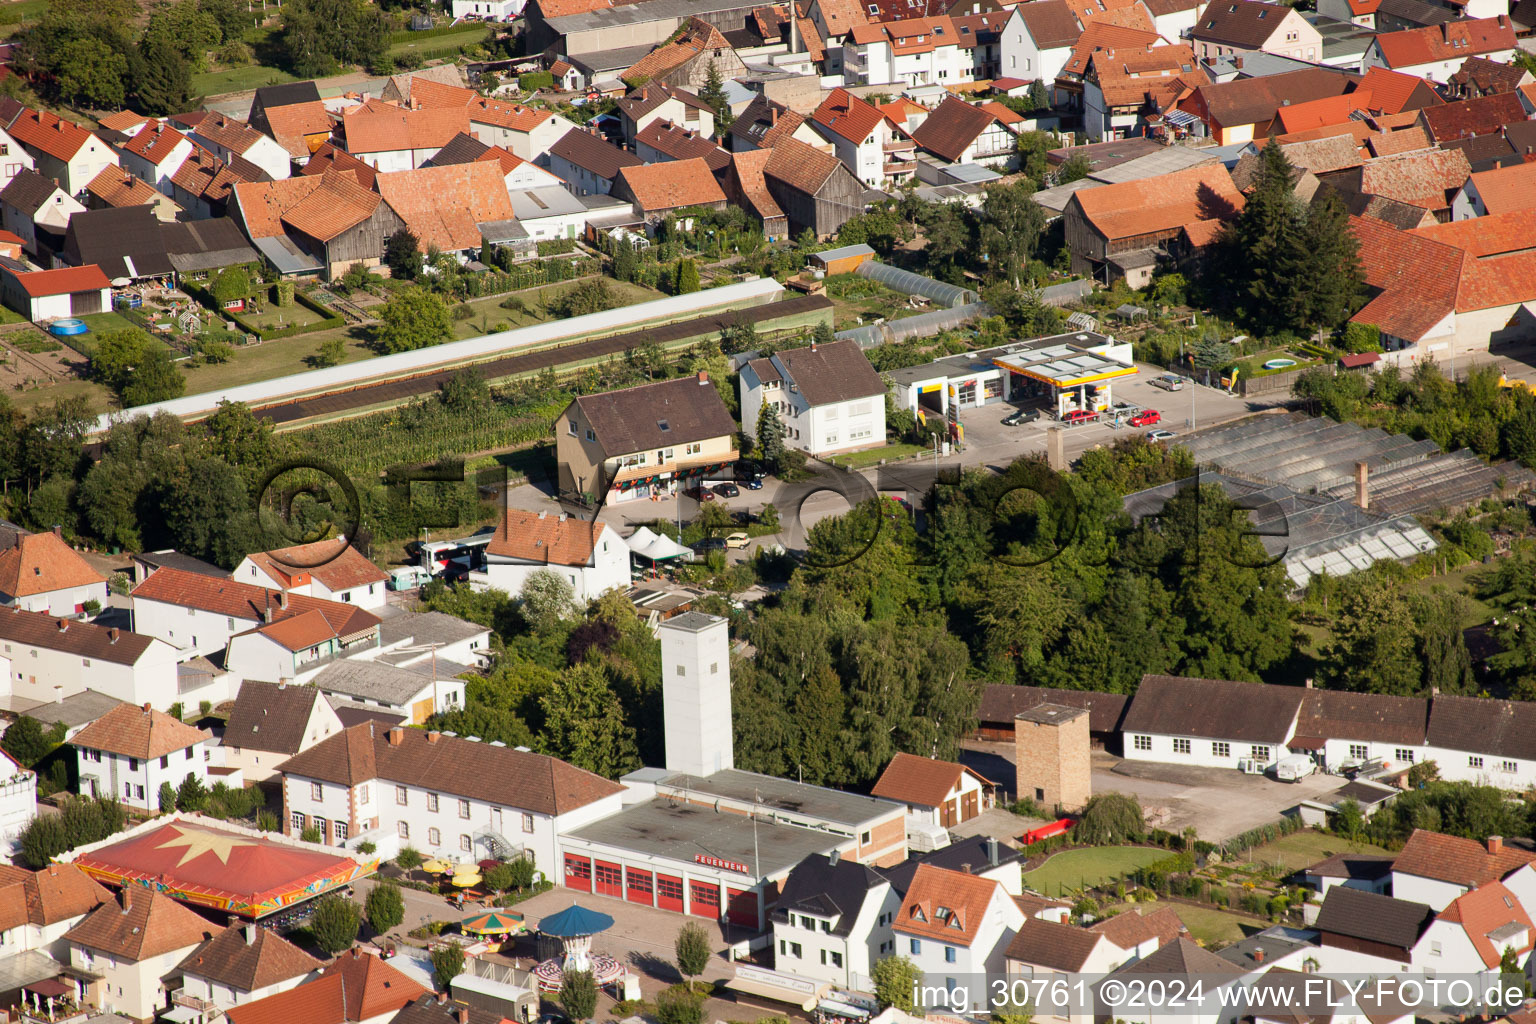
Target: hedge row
(408,36)
(332,320)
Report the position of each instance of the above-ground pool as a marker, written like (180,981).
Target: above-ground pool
(1279,364)
(68,326)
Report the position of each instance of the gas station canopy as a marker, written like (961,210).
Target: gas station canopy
(1063,366)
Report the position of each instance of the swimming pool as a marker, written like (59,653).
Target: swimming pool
(68,326)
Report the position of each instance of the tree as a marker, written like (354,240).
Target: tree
(331,353)
(163,78)
(319,35)
(402,255)
(522,872)
(1422,774)
(385,907)
(335,924)
(413,318)
(232,284)
(137,367)
(546,599)
(693,950)
(896,980)
(584,724)
(679,1005)
(1332,282)
(27,742)
(1371,650)
(209,513)
(90,72)
(447,964)
(1039,98)
(191,795)
(578,995)
(1011,225)
(1511,973)
(687,278)
(1110,819)
(1348,819)
(770,436)
(823,334)
(593,295)
(167,798)
(1075,168)
(713,95)
(42,840)
(154,379)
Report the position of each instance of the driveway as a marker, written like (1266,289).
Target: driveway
(1218,803)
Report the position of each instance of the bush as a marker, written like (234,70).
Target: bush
(1110,819)
(282,292)
(447,963)
(693,950)
(532,81)
(335,924)
(385,907)
(578,995)
(679,1005)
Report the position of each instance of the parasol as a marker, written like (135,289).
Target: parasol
(493,923)
(467,879)
(437,867)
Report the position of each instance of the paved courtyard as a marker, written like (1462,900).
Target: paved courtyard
(1218,803)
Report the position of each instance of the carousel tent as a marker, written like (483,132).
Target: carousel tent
(656,547)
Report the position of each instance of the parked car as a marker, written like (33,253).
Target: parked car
(737,540)
(747,471)
(742,517)
(1021,416)
(1146,418)
(726,490)
(1161,435)
(701,494)
(1169,382)
(1077,416)
(708,544)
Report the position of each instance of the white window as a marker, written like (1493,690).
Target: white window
(1473,761)
(403,829)
(1221,749)
(464,843)
(1142,742)
(400,795)
(298,822)
(1404,755)
(1359,751)
(340,828)
(572,431)
(464,808)
(1508,767)
(434,837)
(362,793)
(316,791)
(527,823)
(432,802)
(1181,746)
(1259,752)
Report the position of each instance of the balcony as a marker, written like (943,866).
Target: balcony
(203,1008)
(897,168)
(899,146)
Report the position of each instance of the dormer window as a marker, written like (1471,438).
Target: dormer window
(954,922)
(917,913)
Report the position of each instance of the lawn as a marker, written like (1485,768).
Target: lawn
(488,311)
(1089,867)
(273,317)
(1299,849)
(1214,928)
(872,457)
(22,12)
(270,359)
(253,76)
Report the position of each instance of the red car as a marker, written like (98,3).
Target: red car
(1146,418)
(1079,416)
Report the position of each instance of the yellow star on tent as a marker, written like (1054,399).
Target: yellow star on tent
(198,843)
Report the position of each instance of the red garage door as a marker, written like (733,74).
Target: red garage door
(639,887)
(704,900)
(578,873)
(669,893)
(609,880)
(742,908)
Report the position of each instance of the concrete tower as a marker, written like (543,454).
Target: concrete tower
(696,693)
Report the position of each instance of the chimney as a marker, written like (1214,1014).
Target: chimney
(703,377)
(112,635)
(1258,954)
(442,997)
(282,599)
(63,625)
(794,29)
(396,736)
(58,531)
(992,850)
(463,1016)
(1362,485)
(965,869)
(125,898)
(834,857)
(1495,845)
(1308,683)
(433,737)
(1237,62)
(146,708)
(266,609)
(250,935)
(773,115)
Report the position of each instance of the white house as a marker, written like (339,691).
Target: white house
(32,202)
(356,988)
(1358,727)
(1213,723)
(18,799)
(63,151)
(936,792)
(1353,871)
(1437,52)
(14,159)
(42,573)
(488,10)
(330,569)
(130,751)
(1181,962)
(228,138)
(862,136)
(413,639)
(443,795)
(242,964)
(963,133)
(1436,869)
(51,658)
(1228,28)
(952,926)
(1500,731)
(1471,935)
(828,397)
(43,295)
(271,722)
(909,52)
(663,103)
(198,615)
(1044,948)
(1037,40)
(128,946)
(591,556)
(523,131)
(833,921)
(297,645)
(49,903)
(155,153)
(414,693)
(388,137)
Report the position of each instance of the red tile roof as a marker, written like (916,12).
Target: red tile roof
(299,127)
(549,539)
(249,957)
(50,133)
(693,38)
(800,166)
(243,601)
(379,127)
(1451,41)
(1416,277)
(671,185)
(322,1001)
(122,121)
(1507,189)
(952,127)
(948,906)
(330,155)
(139,925)
(512,116)
(843,113)
(1102,35)
(231,133)
(1164,203)
(1466,118)
(1426,179)
(117,187)
(205,175)
(920,781)
(1484,911)
(1157,76)
(39,563)
(681,144)
(444,206)
(14,567)
(335,563)
(155,142)
(372,987)
(139,732)
(1391,90)
(1322,112)
(319,205)
(429,95)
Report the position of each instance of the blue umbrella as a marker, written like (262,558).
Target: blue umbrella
(574,921)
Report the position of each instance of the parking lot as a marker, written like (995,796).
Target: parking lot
(1219,803)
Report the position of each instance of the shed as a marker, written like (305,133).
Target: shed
(843,260)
